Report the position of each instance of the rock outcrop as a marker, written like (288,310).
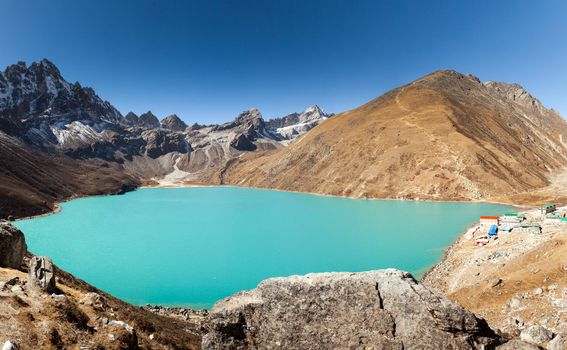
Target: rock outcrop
(42,274)
(385,309)
(12,246)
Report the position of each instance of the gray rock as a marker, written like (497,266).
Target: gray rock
(558,343)
(517,345)
(384,309)
(42,274)
(537,335)
(12,246)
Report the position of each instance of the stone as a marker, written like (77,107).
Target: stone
(12,246)
(42,274)
(496,282)
(384,309)
(515,303)
(537,335)
(516,344)
(558,343)
(58,297)
(8,345)
(538,291)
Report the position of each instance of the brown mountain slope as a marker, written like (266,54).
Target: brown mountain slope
(31,181)
(445,136)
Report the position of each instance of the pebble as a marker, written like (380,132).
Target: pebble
(59,297)
(496,282)
(538,291)
(515,303)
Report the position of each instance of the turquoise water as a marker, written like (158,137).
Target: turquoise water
(194,246)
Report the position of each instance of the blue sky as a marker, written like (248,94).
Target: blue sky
(209,60)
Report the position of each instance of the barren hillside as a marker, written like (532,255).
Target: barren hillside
(446,136)
(31,181)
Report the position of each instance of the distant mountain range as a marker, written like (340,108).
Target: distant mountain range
(39,109)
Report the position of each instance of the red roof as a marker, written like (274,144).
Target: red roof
(489,217)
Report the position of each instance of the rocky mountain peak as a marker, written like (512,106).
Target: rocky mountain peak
(45,66)
(312,113)
(38,93)
(295,124)
(251,114)
(131,118)
(173,122)
(148,120)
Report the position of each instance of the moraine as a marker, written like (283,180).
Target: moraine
(194,246)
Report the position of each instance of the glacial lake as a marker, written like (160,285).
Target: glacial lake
(194,246)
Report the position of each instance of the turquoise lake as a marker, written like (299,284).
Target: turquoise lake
(194,246)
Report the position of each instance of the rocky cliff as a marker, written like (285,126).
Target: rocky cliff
(446,136)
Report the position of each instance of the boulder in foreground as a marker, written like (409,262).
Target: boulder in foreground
(42,274)
(12,246)
(384,309)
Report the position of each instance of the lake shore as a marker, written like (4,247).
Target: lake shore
(204,206)
(199,184)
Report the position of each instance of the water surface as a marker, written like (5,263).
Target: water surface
(194,246)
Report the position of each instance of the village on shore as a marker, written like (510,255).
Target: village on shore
(532,221)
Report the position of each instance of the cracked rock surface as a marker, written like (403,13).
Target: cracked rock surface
(383,309)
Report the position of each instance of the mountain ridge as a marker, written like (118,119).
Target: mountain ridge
(445,136)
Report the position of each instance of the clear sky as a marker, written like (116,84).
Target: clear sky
(208,60)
